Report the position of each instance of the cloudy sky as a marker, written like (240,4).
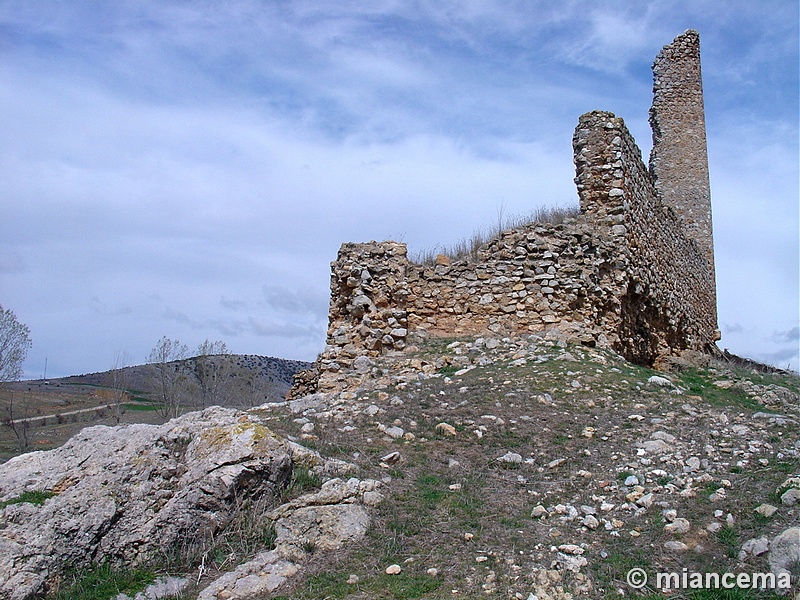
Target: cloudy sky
(190,169)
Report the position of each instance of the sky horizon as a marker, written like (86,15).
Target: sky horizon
(189,170)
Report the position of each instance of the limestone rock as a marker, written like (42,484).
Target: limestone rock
(326,527)
(394,432)
(679,526)
(314,401)
(446,428)
(766,510)
(510,458)
(790,497)
(326,519)
(590,522)
(262,575)
(163,587)
(125,493)
(660,381)
(754,547)
(655,446)
(784,552)
(676,546)
(538,512)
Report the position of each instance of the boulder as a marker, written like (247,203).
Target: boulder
(784,552)
(262,575)
(126,493)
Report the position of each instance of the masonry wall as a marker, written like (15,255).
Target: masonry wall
(669,303)
(627,274)
(679,158)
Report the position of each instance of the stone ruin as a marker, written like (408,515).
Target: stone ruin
(634,272)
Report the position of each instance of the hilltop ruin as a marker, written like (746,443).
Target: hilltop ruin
(634,272)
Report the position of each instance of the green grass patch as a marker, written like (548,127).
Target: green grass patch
(140,407)
(728,538)
(787,467)
(612,570)
(36,497)
(467,506)
(405,585)
(623,475)
(334,586)
(303,480)
(102,582)
(326,585)
(700,383)
(430,490)
(449,370)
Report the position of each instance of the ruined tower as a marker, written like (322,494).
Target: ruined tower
(633,272)
(679,159)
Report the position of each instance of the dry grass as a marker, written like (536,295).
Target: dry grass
(468,247)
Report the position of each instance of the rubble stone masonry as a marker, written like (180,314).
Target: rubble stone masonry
(679,159)
(634,272)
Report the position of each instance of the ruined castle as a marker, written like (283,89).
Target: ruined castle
(634,272)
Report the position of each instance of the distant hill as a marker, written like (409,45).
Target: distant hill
(248,379)
(42,414)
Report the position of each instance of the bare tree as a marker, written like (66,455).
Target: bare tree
(214,368)
(14,343)
(119,383)
(171,379)
(16,417)
(246,388)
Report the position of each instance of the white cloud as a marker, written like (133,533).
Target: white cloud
(165,163)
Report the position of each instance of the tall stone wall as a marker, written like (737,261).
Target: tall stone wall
(669,302)
(629,273)
(679,158)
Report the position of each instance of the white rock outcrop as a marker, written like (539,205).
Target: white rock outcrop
(124,494)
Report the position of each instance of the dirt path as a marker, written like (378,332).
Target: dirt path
(61,414)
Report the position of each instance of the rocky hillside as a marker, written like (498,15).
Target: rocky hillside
(461,468)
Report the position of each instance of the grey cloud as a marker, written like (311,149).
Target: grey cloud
(232,304)
(735,328)
(306,302)
(287,330)
(792,335)
(782,358)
